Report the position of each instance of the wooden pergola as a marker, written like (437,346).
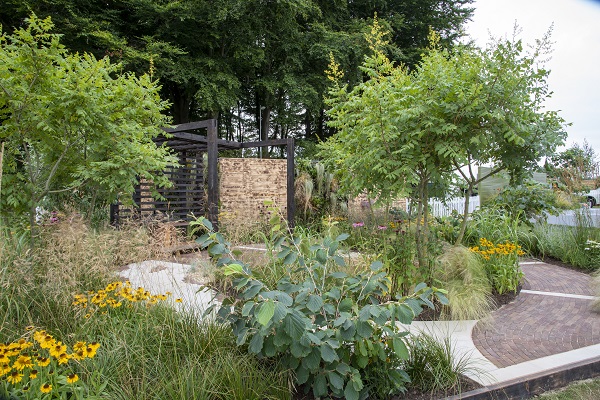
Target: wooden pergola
(185,196)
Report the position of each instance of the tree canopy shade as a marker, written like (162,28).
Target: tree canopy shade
(403,129)
(245,62)
(73,123)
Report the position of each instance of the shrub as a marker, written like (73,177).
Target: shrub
(491,223)
(527,201)
(327,327)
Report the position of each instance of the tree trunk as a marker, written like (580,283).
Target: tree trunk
(419,239)
(265,115)
(181,104)
(463,224)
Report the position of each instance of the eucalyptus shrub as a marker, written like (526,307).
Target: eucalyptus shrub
(327,326)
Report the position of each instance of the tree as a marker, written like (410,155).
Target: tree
(400,130)
(71,122)
(571,166)
(247,62)
(386,140)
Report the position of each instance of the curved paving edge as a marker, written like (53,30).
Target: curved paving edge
(553,315)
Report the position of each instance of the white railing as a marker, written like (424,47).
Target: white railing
(439,208)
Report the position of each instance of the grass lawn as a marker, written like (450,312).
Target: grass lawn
(582,390)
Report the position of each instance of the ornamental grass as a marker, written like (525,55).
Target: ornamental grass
(148,351)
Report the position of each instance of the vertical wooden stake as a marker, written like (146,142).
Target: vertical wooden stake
(213,177)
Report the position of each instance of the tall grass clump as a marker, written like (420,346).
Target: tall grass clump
(157,353)
(577,245)
(68,257)
(147,349)
(463,275)
(434,365)
(494,224)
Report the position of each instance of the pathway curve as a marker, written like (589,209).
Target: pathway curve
(551,315)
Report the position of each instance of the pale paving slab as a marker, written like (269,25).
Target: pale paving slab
(484,371)
(161,277)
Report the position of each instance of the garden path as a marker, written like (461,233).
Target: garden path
(551,315)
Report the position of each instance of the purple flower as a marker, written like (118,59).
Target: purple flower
(382,227)
(358,224)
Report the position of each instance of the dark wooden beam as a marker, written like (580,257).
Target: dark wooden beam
(264,143)
(213,177)
(195,138)
(190,126)
(291,205)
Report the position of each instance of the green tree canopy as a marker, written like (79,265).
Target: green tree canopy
(244,61)
(72,122)
(403,129)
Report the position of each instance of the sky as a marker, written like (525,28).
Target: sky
(575,62)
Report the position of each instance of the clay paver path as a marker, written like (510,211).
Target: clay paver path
(551,315)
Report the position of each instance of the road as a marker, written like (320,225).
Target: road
(568,217)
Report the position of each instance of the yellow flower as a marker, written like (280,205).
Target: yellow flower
(178,300)
(58,349)
(39,335)
(47,342)
(22,362)
(79,346)
(14,377)
(63,359)
(4,358)
(33,374)
(42,361)
(46,388)
(72,378)
(4,369)
(90,351)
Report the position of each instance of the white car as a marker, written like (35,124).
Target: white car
(593,197)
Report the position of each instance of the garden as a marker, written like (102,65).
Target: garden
(324,311)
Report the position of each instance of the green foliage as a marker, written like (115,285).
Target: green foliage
(526,202)
(316,194)
(447,227)
(214,58)
(463,274)
(574,164)
(493,224)
(326,326)
(73,123)
(394,244)
(401,130)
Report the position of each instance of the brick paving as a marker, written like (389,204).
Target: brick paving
(536,325)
